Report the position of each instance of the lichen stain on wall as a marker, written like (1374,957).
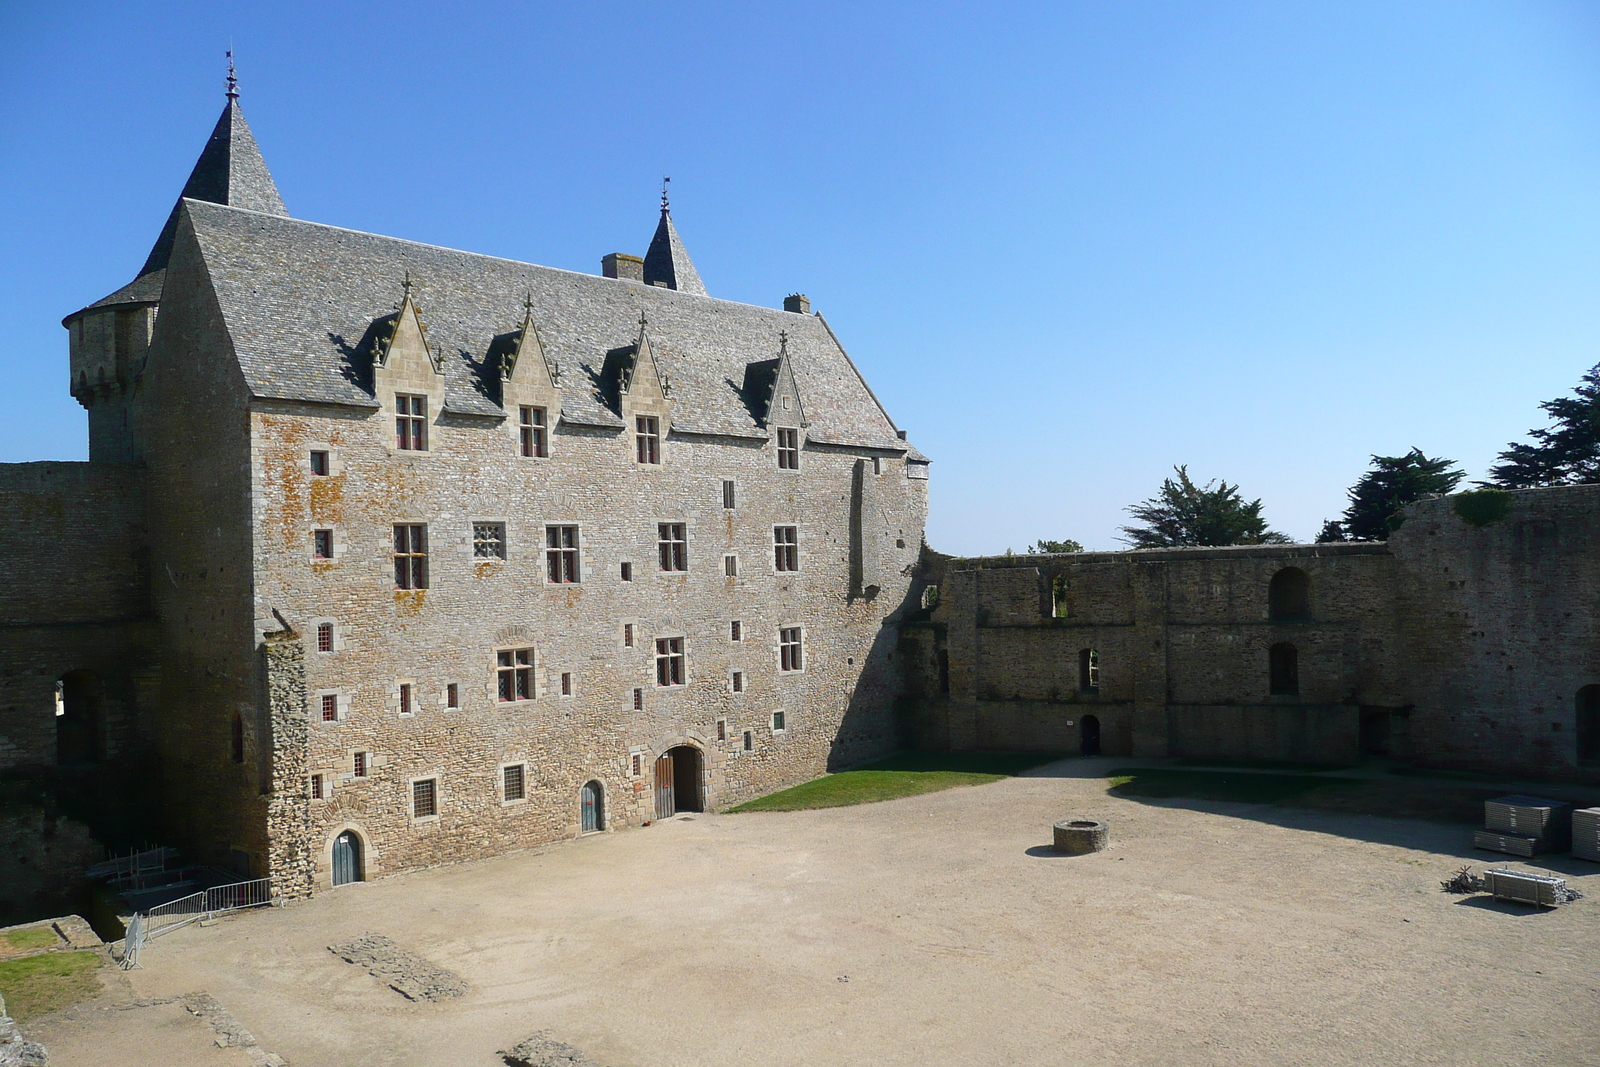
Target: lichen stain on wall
(408,602)
(327,499)
(283,446)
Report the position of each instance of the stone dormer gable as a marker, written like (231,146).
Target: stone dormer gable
(530,388)
(785,409)
(524,363)
(643,386)
(404,363)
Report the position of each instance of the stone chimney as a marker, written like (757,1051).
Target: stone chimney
(798,303)
(623,267)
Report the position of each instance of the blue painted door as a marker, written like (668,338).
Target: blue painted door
(346,858)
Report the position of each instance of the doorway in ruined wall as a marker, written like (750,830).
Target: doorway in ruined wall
(1375,726)
(1089,741)
(80,715)
(678,781)
(1589,724)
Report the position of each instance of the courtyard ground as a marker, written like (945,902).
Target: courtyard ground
(935,929)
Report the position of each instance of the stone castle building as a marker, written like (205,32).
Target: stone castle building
(387,555)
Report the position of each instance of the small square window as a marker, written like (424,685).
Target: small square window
(728,498)
(406,705)
(321,544)
(736,630)
(627,572)
(330,708)
(749,741)
(324,637)
(360,764)
(638,700)
(777,722)
(566,683)
(452,695)
(738,681)
(515,782)
(319,462)
(425,798)
(730,566)
(489,540)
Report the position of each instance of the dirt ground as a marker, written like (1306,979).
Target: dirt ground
(937,929)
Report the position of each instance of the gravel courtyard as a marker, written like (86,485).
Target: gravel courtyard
(932,930)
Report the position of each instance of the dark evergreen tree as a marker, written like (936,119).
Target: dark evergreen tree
(1331,531)
(1391,484)
(1567,453)
(1187,514)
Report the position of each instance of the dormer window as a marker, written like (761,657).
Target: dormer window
(789,450)
(411,422)
(648,438)
(534,442)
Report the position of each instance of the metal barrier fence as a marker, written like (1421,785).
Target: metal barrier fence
(147,926)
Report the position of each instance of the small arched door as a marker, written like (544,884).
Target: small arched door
(346,858)
(592,802)
(1089,745)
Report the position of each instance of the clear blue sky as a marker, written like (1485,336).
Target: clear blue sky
(1070,244)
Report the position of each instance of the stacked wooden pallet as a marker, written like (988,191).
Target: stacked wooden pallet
(1586,834)
(1545,890)
(1525,826)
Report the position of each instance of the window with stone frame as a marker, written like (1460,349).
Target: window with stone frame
(729,498)
(647,438)
(317,788)
(736,681)
(319,462)
(638,699)
(735,630)
(360,764)
(408,704)
(514,671)
(749,740)
(730,566)
(788,450)
(410,556)
(791,655)
(669,661)
(566,683)
(321,544)
(424,798)
(778,722)
(488,540)
(672,546)
(452,695)
(531,425)
(330,707)
(514,782)
(324,637)
(561,554)
(410,422)
(786,548)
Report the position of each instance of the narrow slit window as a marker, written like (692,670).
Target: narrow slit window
(515,782)
(672,546)
(410,422)
(728,497)
(749,740)
(1088,671)
(738,681)
(407,707)
(532,427)
(669,661)
(722,729)
(515,670)
(786,548)
(238,738)
(736,630)
(452,695)
(627,572)
(730,566)
(561,554)
(425,798)
(638,700)
(627,635)
(637,769)
(358,764)
(789,450)
(566,683)
(411,557)
(647,438)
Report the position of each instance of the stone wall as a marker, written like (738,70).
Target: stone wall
(1450,645)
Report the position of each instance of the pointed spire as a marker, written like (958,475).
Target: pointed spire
(230,171)
(668,262)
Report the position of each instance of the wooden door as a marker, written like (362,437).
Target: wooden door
(346,859)
(666,802)
(591,807)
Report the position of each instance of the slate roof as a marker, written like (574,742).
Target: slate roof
(668,262)
(303,303)
(230,171)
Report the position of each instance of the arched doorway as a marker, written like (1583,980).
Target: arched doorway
(678,782)
(1589,724)
(592,803)
(79,700)
(347,858)
(1289,595)
(1089,745)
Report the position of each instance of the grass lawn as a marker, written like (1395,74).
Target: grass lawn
(1436,801)
(19,941)
(37,985)
(904,774)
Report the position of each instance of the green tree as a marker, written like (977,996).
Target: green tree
(1567,453)
(1046,547)
(1187,514)
(1391,484)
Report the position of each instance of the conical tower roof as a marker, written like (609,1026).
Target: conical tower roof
(668,261)
(230,171)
